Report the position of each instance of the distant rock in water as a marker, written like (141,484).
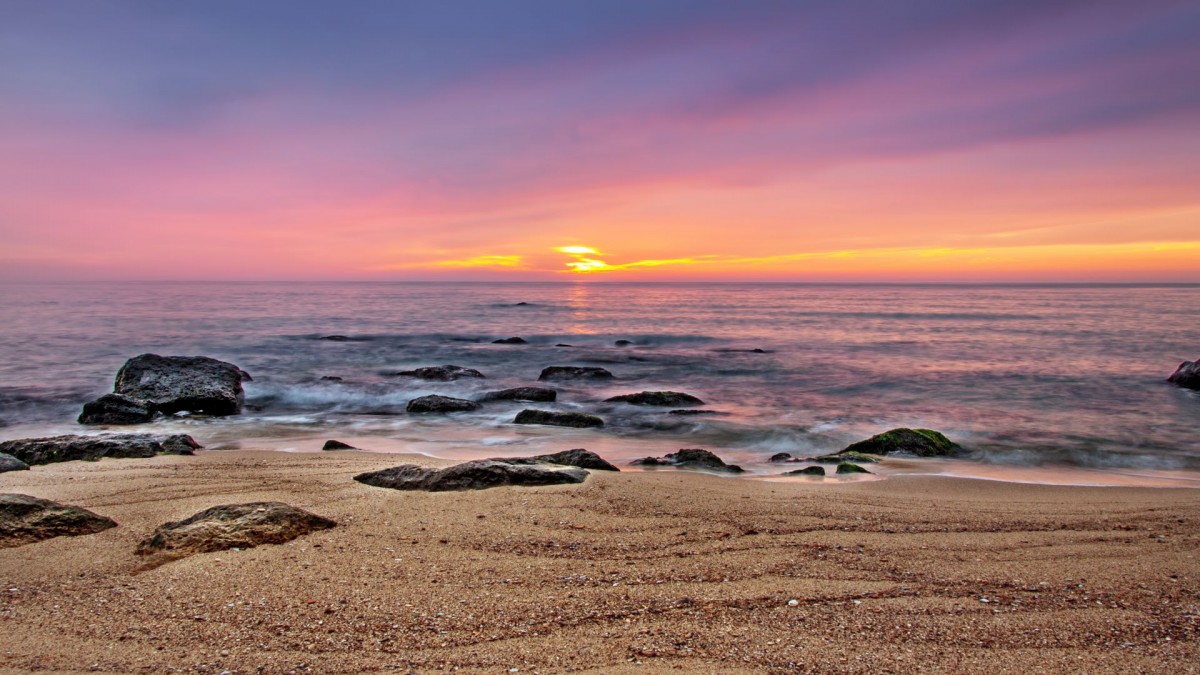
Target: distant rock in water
(574,373)
(221,528)
(558,419)
(116,409)
(1187,375)
(537,394)
(477,475)
(623,343)
(330,378)
(809,471)
(781,457)
(584,459)
(693,411)
(657,398)
(521,304)
(10,463)
(337,445)
(171,384)
(756,350)
(919,442)
(693,458)
(510,341)
(847,467)
(25,519)
(561,344)
(445,373)
(440,404)
(90,448)
(337,338)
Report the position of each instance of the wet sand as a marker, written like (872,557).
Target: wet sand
(628,572)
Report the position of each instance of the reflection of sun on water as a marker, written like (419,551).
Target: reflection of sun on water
(578,299)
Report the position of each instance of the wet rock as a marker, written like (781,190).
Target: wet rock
(337,445)
(695,412)
(538,394)
(10,463)
(477,475)
(919,442)
(563,345)
(622,343)
(116,409)
(521,304)
(756,350)
(558,419)
(657,398)
(846,456)
(173,384)
(337,338)
(510,341)
(440,373)
(781,457)
(584,459)
(25,519)
(440,404)
(574,373)
(1187,375)
(809,471)
(847,467)
(232,526)
(693,458)
(90,448)
(330,378)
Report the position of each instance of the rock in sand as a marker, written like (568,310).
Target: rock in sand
(232,526)
(25,519)
(477,475)
(10,463)
(332,444)
(584,459)
(90,448)
(691,458)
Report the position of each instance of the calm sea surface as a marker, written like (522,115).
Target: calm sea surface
(1057,383)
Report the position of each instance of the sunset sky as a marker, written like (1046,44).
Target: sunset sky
(917,140)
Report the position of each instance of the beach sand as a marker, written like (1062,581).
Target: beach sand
(629,572)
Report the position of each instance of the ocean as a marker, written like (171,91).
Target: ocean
(1042,383)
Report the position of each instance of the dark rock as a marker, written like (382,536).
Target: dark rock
(510,341)
(538,394)
(232,526)
(623,343)
(846,456)
(91,448)
(584,459)
(781,457)
(693,458)
(116,409)
(440,404)
(810,471)
(521,304)
(695,412)
(574,373)
(1187,375)
(847,467)
(919,442)
(558,419)
(337,445)
(440,373)
(25,519)
(756,350)
(245,376)
(176,383)
(657,398)
(337,338)
(477,475)
(563,345)
(10,463)
(330,378)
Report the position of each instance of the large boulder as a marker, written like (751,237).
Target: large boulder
(91,448)
(584,459)
(10,463)
(232,526)
(440,404)
(172,384)
(476,475)
(116,409)
(1187,375)
(847,467)
(574,373)
(690,458)
(919,442)
(25,519)
(535,394)
(445,373)
(558,419)
(670,399)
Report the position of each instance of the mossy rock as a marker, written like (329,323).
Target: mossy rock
(919,442)
(808,471)
(847,456)
(847,467)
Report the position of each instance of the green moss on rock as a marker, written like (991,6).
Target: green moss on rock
(919,442)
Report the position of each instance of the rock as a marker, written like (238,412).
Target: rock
(584,459)
(657,398)
(1187,375)
(330,378)
(623,343)
(25,519)
(538,394)
(337,445)
(558,419)
(563,345)
(574,373)
(693,458)
(337,338)
(510,341)
(695,412)
(477,475)
(440,404)
(175,383)
(441,373)
(232,526)
(781,457)
(811,471)
(521,304)
(116,409)
(847,467)
(10,463)
(919,442)
(846,456)
(91,448)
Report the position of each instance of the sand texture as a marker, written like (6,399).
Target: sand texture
(628,572)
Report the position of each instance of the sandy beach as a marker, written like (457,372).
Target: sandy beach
(628,572)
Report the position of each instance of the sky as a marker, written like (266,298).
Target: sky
(875,140)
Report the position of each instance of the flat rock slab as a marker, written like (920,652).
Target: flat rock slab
(535,394)
(440,404)
(690,458)
(232,526)
(116,409)
(1187,375)
(807,471)
(574,373)
(171,384)
(477,475)
(25,519)
(10,463)
(447,373)
(91,448)
(670,399)
(558,419)
(919,442)
(584,459)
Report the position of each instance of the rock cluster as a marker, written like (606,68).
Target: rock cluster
(691,458)
(477,475)
(149,384)
(447,373)
(90,448)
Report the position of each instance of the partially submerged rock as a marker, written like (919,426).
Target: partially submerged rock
(781,457)
(477,475)
(25,519)
(846,456)
(440,404)
(584,459)
(172,384)
(657,398)
(693,412)
(10,463)
(847,467)
(574,373)
(90,448)
(809,471)
(919,442)
(622,343)
(690,458)
(536,394)
(1187,375)
(445,373)
(332,444)
(510,341)
(558,419)
(232,526)
(116,409)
